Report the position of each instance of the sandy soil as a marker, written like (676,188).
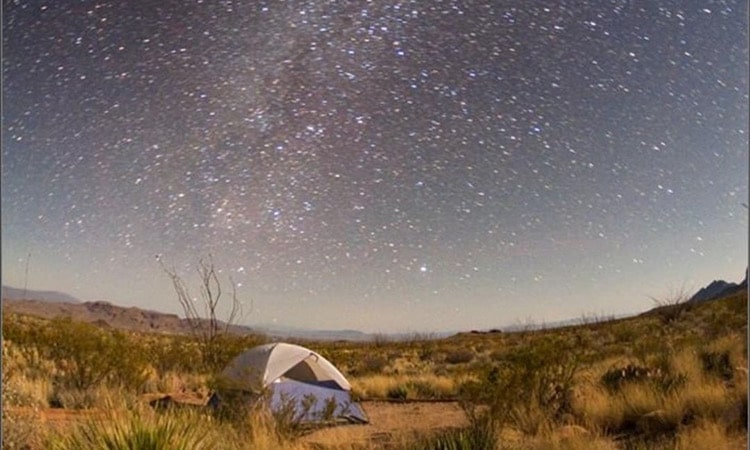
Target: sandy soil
(391,423)
(56,418)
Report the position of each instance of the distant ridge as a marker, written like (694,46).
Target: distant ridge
(12,293)
(718,289)
(105,314)
(323,335)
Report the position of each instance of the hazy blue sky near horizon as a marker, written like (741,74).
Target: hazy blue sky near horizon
(383,166)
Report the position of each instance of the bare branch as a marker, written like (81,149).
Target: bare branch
(205,326)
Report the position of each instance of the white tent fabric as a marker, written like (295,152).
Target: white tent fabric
(260,366)
(294,373)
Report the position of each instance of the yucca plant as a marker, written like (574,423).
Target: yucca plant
(478,436)
(135,431)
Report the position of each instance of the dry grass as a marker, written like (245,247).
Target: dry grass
(569,437)
(175,382)
(24,391)
(709,436)
(694,393)
(708,400)
(22,429)
(640,405)
(410,386)
(597,408)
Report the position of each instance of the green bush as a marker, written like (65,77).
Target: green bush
(531,378)
(83,354)
(177,354)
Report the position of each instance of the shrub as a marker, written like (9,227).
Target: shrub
(397,393)
(665,381)
(530,380)
(87,356)
(371,364)
(717,363)
(426,352)
(459,356)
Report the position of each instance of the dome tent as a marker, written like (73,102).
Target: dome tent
(293,376)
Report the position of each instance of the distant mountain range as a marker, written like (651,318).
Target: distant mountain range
(275,331)
(718,289)
(107,315)
(46,296)
(51,304)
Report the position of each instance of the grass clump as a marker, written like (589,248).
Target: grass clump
(136,431)
(480,435)
(423,386)
(143,429)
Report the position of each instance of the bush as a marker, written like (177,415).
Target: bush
(459,356)
(179,354)
(613,379)
(397,393)
(87,356)
(661,379)
(717,363)
(371,364)
(531,380)
(426,352)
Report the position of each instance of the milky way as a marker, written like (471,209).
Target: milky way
(377,165)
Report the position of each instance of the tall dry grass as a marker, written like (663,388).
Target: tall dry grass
(423,386)
(709,436)
(567,437)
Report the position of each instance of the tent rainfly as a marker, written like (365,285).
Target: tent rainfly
(293,376)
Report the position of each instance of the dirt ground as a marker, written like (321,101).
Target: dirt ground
(391,423)
(54,418)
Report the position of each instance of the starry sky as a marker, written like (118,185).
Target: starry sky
(377,165)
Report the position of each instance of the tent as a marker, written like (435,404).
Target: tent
(295,379)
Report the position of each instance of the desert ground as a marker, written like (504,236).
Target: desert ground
(672,378)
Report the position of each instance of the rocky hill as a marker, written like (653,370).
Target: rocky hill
(106,314)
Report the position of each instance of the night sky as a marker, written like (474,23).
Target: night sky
(377,165)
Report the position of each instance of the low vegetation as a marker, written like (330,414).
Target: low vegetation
(664,380)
